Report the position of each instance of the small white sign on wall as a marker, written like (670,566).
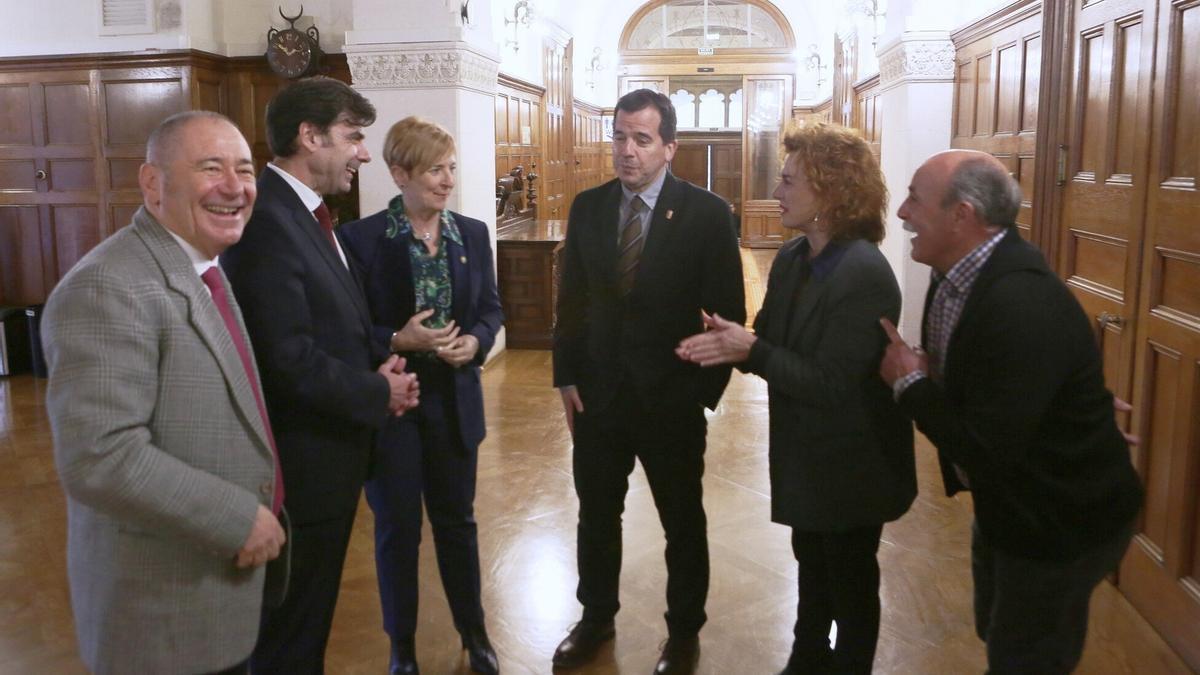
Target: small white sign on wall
(526,136)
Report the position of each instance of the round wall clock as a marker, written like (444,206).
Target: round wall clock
(291,53)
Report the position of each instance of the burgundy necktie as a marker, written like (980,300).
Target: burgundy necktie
(322,214)
(212,279)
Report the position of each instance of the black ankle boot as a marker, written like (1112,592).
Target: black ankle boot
(479,651)
(404,658)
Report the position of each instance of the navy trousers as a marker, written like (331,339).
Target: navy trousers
(420,456)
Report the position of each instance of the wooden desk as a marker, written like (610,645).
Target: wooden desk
(527,259)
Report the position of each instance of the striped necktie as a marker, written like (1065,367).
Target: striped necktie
(629,246)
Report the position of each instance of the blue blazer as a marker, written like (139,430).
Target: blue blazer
(387,279)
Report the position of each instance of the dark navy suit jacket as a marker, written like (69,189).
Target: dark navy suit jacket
(386,271)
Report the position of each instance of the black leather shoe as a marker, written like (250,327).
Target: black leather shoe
(404,658)
(480,653)
(679,656)
(582,642)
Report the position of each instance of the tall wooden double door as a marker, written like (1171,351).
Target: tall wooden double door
(1128,244)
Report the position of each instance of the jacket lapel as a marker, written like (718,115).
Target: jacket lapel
(608,230)
(204,316)
(460,278)
(810,298)
(296,213)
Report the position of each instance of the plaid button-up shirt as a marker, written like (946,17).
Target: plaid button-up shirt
(953,288)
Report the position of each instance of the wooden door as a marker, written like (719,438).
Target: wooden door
(1101,225)
(1161,572)
(691,163)
(727,172)
(50,206)
(554,190)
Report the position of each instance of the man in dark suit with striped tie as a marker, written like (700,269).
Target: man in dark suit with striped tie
(645,255)
(327,392)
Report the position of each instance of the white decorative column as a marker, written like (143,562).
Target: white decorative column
(916,78)
(418,57)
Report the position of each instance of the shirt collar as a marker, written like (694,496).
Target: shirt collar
(650,194)
(826,260)
(964,272)
(398,222)
(199,262)
(306,194)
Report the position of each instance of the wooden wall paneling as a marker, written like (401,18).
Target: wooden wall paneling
(22,274)
(132,102)
(996,96)
(867,111)
(589,147)
(821,112)
(554,188)
(518,142)
(1161,572)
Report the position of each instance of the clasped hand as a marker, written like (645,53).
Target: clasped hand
(445,343)
(723,341)
(404,391)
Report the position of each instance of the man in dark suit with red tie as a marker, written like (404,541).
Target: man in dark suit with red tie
(326,391)
(645,254)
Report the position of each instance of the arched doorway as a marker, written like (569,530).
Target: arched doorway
(730,67)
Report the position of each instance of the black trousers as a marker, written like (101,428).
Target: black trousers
(670,445)
(422,455)
(293,636)
(838,581)
(1033,614)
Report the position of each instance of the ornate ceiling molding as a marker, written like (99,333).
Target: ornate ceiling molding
(422,66)
(917,57)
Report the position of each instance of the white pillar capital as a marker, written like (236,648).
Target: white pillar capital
(423,65)
(916,56)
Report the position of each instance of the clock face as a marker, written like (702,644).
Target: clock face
(290,53)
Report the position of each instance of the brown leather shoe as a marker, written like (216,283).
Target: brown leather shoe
(679,656)
(582,642)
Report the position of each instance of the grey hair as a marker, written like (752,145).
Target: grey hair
(163,139)
(987,187)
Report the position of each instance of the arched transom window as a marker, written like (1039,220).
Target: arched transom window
(720,24)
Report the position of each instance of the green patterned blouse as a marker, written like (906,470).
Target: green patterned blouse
(431,271)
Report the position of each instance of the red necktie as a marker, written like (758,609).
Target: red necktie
(212,279)
(322,214)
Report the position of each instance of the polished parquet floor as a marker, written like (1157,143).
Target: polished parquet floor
(526,511)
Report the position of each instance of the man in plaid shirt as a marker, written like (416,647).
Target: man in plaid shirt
(1010,388)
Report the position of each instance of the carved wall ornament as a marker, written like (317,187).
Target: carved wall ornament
(920,60)
(424,67)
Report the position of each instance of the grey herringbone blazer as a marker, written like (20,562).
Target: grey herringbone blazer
(163,456)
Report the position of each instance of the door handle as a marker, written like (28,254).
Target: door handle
(40,174)
(1107,319)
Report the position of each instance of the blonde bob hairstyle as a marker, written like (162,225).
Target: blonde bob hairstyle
(415,144)
(844,177)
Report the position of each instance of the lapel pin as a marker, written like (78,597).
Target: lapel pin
(462,259)
(670,213)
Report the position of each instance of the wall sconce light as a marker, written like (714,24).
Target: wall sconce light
(871,9)
(522,15)
(594,67)
(813,62)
